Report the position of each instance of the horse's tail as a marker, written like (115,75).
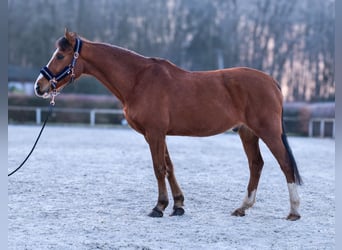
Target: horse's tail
(298,179)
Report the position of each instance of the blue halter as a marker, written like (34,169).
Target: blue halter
(54,79)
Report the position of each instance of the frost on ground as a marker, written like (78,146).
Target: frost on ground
(92,188)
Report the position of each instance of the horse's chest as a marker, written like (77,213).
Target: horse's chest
(133,120)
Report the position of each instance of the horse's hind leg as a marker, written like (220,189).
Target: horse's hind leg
(177,193)
(282,153)
(251,146)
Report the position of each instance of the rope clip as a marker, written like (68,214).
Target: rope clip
(53,95)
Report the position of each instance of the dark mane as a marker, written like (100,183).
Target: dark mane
(63,44)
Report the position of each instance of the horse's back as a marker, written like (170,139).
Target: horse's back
(234,89)
(211,102)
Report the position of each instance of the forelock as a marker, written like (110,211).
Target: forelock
(63,44)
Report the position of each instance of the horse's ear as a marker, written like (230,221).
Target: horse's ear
(70,36)
(66,31)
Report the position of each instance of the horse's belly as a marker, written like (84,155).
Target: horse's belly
(198,133)
(200,126)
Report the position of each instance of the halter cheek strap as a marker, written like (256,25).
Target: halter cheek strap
(54,79)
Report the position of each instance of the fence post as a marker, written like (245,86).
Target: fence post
(333,131)
(310,128)
(92,117)
(321,128)
(38,115)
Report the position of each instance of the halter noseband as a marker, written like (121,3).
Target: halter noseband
(54,79)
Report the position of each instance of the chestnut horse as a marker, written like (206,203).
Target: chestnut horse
(162,99)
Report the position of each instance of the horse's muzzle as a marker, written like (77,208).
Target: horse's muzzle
(37,90)
(40,92)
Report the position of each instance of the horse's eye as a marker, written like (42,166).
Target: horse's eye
(59,56)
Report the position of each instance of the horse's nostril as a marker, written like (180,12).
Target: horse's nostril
(38,91)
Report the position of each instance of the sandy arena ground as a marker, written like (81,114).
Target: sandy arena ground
(92,188)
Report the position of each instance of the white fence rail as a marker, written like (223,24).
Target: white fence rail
(92,112)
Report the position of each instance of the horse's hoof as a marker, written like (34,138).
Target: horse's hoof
(293,217)
(178,211)
(156,213)
(239,212)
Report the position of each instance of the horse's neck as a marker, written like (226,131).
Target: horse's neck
(112,66)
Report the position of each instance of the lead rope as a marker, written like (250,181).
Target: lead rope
(52,104)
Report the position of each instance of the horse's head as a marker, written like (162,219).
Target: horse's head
(62,67)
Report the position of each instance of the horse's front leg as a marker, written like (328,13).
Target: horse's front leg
(157,147)
(177,193)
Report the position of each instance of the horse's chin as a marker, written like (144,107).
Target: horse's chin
(47,95)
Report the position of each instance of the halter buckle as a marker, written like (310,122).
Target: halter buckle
(53,83)
(76,55)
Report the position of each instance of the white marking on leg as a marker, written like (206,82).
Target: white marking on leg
(294,198)
(249,200)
